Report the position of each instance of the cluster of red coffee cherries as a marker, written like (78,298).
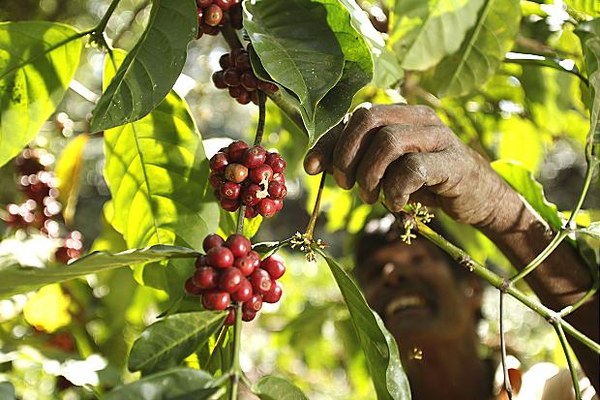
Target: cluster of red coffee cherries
(41,209)
(215,14)
(239,79)
(232,272)
(250,176)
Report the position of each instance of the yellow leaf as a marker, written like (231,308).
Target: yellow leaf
(68,172)
(48,309)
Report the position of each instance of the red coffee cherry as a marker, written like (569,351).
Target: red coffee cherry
(230,205)
(238,244)
(201,261)
(253,304)
(277,190)
(267,208)
(250,212)
(229,190)
(255,257)
(218,80)
(191,289)
(274,294)
(261,174)
(224,62)
(278,204)
(248,315)
(276,162)
(220,257)
(230,280)
(274,266)
(213,15)
(212,240)
(254,156)
(236,173)
(218,162)
(205,278)
(244,292)
(236,150)
(279,178)
(245,264)
(261,281)
(230,319)
(232,77)
(250,193)
(216,300)
(244,97)
(203,3)
(249,81)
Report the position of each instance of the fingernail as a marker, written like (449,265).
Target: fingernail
(365,196)
(312,163)
(340,178)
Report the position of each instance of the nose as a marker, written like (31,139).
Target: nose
(390,274)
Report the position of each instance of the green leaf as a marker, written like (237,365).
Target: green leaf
(424,32)
(591,7)
(68,171)
(522,181)
(589,34)
(357,72)
(157,172)
(481,52)
(166,343)
(378,344)
(37,63)
(592,230)
(7,391)
(151,68)
(276,388)
(296,47)
(173,384)
(18,279)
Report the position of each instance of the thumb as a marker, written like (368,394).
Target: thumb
(320,157)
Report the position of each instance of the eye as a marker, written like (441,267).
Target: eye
(418,259)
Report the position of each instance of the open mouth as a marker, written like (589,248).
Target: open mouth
(408,303)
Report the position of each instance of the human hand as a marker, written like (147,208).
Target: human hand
(408,153)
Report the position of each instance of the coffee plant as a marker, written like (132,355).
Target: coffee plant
(169,280)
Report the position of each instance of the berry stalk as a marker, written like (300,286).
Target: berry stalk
(308,234)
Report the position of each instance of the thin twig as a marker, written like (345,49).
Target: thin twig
(507,384)
(565,346)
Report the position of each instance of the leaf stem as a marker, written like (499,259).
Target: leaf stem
(505,285)
(563,342)
(507,384)
(236,370)
(541,257)
(99,29)
(262,113)
(310,229)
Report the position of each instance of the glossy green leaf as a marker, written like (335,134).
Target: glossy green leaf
(172,384)
(424,32)
(166,343)
(157,172)
(151,68)
(378,344)
(591,7)
(358,70)
(276,388)
(37,63)
(589,33)
(68,171)
(523,181)
(19,279)
(296,47)
(481,52)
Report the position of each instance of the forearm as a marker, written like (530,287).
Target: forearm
(559,281)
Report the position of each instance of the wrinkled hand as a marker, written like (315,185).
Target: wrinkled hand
(409,154)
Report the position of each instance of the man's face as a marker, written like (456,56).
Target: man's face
(415,292)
